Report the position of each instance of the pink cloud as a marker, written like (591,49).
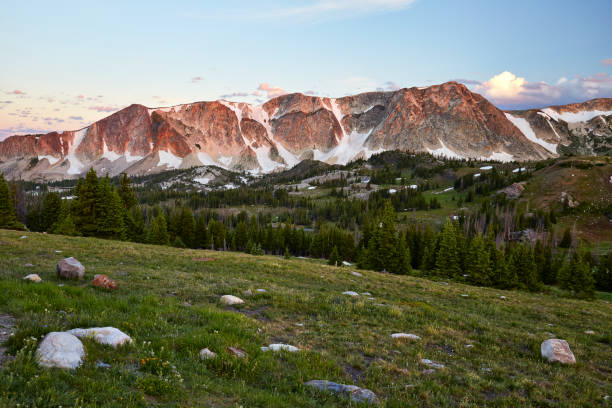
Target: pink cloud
(271,91)
(607,61)
(196,79)
(18,92)
(104,108)
(80,97)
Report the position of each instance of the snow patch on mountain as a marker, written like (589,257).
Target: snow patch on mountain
(528,132)
(52,160)
(76,166)
(170,160)
(444,151)
(499,156)
(109,154)
(573,117)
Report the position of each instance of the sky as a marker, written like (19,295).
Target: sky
(66,64)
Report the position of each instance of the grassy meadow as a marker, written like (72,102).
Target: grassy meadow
(169,304)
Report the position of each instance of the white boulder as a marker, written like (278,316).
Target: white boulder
(61,350)
(231,300)
(109,336)
(206,354)
(405,336)
(280,347)
(351,293)
(557,350)
(32,278)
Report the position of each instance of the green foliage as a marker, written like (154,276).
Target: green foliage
(334,258)
(577,276)
(8,217)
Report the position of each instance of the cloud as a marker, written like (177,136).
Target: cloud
(508,90)
(236,95)
(271,91)
(196,79)
(18,92)
(76,117)
(80,97)
(104,108)
(607,61)
(388,86)
(20,129)
(466,81)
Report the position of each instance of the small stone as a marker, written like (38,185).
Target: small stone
(231,300)
(356,274)
(23,237)
(61,350)
(57,251)
(429,371)
(102,364)
(32,278)
(469,345)
(502,297)
(357,394)
(236,352)
(261,290)
(464,295)
(206,354)
(104,335)
(248,292)
(300,324)
(70,268)
(351,293)
(280,347)
(186,304)
(431,364)
(405,336)
(589,332)
(28,265)
(557,350)
(366,294)
(104,282)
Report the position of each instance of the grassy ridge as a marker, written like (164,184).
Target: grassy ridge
(344,339)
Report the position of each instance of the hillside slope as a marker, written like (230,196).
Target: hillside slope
(167,298)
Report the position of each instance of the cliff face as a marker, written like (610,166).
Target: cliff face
(445,119)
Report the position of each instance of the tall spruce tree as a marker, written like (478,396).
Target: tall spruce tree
(85,204)
(51,210)
(478,262)
(8,217)
(603,273)
(187,226)
(158,232)
(447,258)
(577,277)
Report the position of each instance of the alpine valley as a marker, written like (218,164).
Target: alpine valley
(445,120)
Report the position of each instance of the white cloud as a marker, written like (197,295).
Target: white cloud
(315,8)
(509,90)
(271,91)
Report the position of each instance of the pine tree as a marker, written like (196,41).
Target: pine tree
(523,265)
(84,205)
(478,263)
(65,223)
(566,241)
(603,273)
(109,211)
(186,230)
(334,258)
(201,233)
(447,258)
(8,217)
(128,198)
(287,253)
(577,277)
(51,210)
(241,236)
(158,233)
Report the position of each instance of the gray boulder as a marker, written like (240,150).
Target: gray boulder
(556,350)
(70,268)
(355,393)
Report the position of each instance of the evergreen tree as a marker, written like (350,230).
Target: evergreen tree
(128,198)
(577,277)
(566,241)
(109,211)
(522,263)
(241,236)
(84,205)
(334,258)
(158,233)
(8,217)
(478,263)
(65,223)
(51,210)
(287,253)
(186,230)
(603,273)
(447,258)
(201,233)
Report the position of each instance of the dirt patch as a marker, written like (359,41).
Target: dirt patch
(257,313)
(7,326)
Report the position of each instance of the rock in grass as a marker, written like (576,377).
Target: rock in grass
(70,268)
(351,293)
(28,265)
(206,354)
(61,350)
(236,352)
(405,336)
(356,274)
(104,282)
(102,364)
(109,336)
(355,393)
(231,300)
(280,347)
(431,364)
(589,332)
(32,278)
(557,350)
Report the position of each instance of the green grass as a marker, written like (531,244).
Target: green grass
(343,339)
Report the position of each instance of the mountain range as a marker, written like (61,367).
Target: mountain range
(446,119)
